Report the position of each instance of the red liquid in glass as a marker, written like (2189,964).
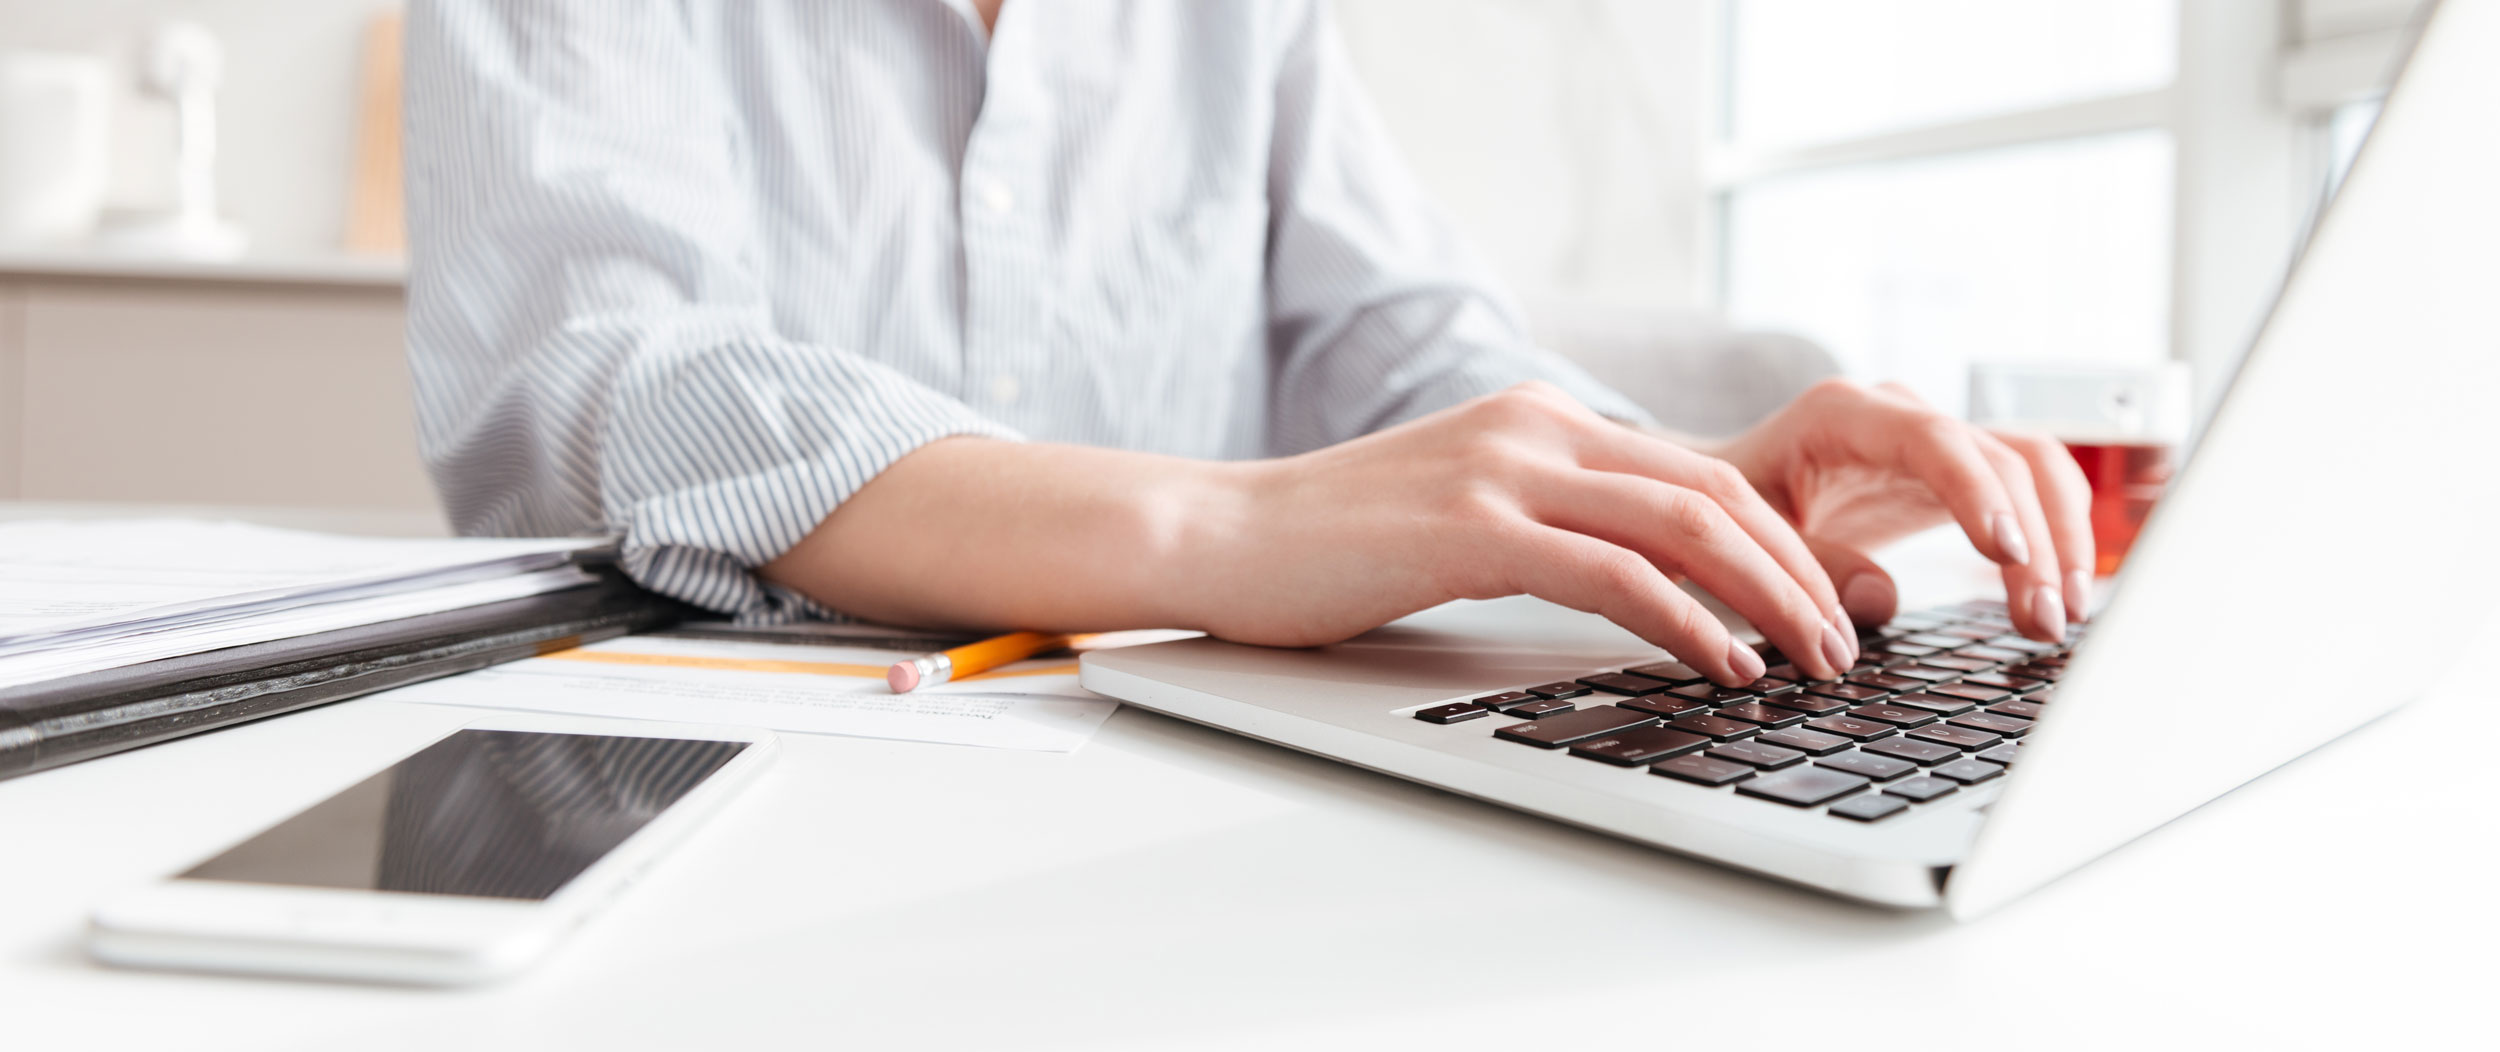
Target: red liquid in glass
(2126,477)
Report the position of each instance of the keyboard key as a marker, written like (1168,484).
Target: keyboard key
(2000,753)
(2009,726)
(1968,691)
(1918,752)
(1712,693)
(1701,770)
(1725,730)
(1958,737)
(1664,706)
(1994,654)
(1508,697)
(2036,670)
(1814,742)
(1924,674)
(1535,707)
(1559,690)
(1898,648)
(1554,732)
(1638,746)
(1674,673)
(1938,640)
(1886,681)
(1618,683)
(1873,807)
(1454,712)
(1786,671)
(1852,693)
(2041,697)
(1957,663)
(1922,788)
(2028,710)
(1968,634)
(2025,644)
(1866,764)
(1967,772)
(1852,727)
(2001,681)
(1810,703)
(1897,715)
(1804,787)
(1754,753)
(1766,715)
(1935,703)
(1769,685)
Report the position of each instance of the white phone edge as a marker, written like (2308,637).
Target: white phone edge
(400,937)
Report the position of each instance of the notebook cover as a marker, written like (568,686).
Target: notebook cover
(74,718)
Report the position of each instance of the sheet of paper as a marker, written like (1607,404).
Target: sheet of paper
(62,579)
(1032,705)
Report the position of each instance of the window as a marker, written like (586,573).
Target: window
(1922,184)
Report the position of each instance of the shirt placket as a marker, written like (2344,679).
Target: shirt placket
(1001,199)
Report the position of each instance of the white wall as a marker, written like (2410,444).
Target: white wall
(1558,132)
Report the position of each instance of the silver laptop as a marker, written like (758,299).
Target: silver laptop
(2320,556)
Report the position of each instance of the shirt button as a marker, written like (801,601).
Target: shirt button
(996,195)
(1005,389)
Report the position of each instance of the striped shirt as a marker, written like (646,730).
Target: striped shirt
(692,273)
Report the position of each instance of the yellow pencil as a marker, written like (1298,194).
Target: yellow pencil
(971,659)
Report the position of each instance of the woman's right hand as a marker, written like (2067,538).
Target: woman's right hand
(1522,491)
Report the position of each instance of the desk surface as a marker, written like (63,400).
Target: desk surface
(1170,886)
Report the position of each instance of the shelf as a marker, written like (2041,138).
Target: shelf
(377,272)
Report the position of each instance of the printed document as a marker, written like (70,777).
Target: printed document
(813,689)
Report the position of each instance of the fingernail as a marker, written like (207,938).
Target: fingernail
(2078,594)
(1836,649)
(2049,610)
(1868,592)
(1849,632)
(2009,535)
(1741,660)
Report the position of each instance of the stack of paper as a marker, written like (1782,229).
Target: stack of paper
(81,597)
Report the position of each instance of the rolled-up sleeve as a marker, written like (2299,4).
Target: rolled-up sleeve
(592,347)
(1378,311)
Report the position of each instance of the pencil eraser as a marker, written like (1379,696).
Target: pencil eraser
(902,677)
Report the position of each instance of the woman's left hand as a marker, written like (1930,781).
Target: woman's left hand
(1855,468)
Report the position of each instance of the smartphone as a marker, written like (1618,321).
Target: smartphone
(459,864)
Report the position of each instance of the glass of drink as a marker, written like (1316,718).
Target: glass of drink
(2123,424)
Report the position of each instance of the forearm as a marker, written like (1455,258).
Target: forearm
(985,534)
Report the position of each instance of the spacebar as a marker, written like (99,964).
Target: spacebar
(1563,728)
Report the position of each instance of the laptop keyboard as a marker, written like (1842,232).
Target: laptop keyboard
(1939,700)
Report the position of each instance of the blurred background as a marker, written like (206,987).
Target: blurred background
(1756,192)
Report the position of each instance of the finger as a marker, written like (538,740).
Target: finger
(1944,453)
(1867,592)
(2066,497)
(1630,452)
(1622,586)
(2032,590)
(1687,532)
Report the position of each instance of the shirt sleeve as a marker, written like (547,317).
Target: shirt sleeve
(592,347)
(1378,312)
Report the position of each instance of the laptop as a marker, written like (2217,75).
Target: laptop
(2322,552)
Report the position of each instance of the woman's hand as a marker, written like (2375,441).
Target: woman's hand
(1524,491)
(1856,468)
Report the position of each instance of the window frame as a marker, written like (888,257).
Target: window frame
(2254,88)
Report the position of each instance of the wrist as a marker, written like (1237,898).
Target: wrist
(1201,530)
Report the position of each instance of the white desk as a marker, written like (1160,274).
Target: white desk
(1172,887)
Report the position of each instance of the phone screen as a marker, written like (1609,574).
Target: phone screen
(491,814)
